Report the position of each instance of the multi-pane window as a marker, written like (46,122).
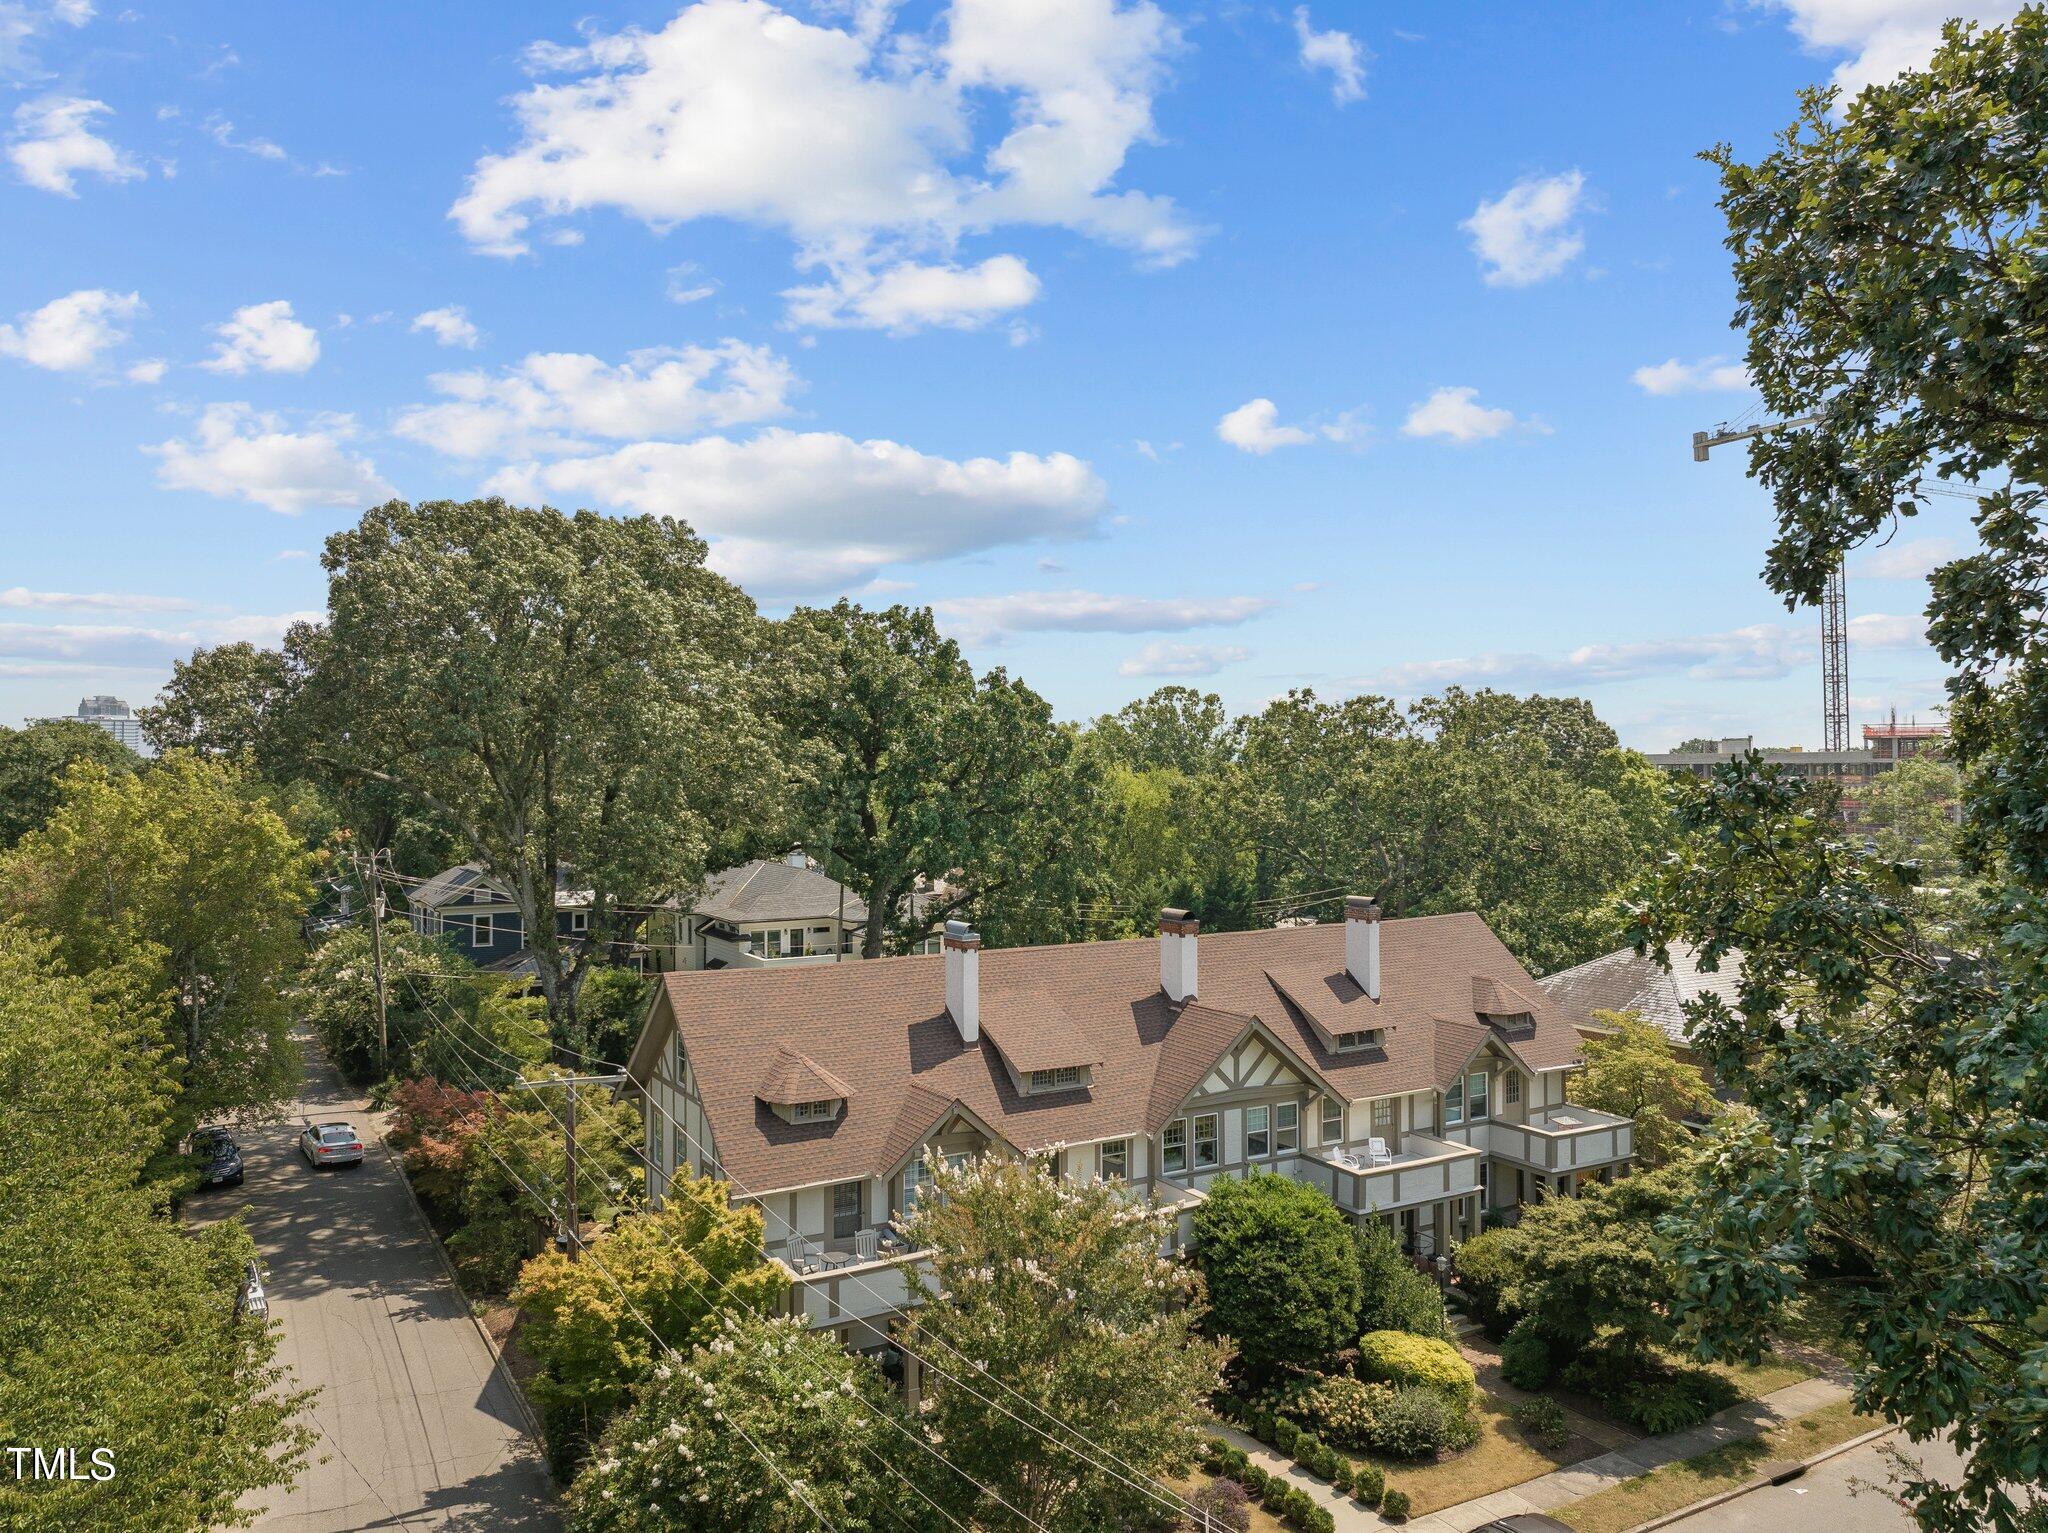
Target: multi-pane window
(1454,1104)
(1287,1127)
(1258,1140)
(1384,1114)
(849,1204)
(1350,1042)
(656,1160)
(814,1112)
(1475,1095)
(1116,1160)
(1333,1121)
(1173,1147)
(1511,1088)
(1207,1142)
(1053,1080)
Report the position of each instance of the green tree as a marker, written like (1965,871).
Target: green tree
(224,701)
(1061,1294)
(1166,839)
(188,862)
(1281,1266)
(1887,262)
(1175,729)
(1911,813)
(1633,1072)
(116,1327)
(927,774)
(576,695)
(33,762)
(1596,1270)
(1392,1295)
(336,994)
(655,1282)
(764,1428)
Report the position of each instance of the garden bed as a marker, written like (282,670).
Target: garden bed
(1725,1468)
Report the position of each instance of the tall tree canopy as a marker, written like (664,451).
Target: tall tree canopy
(926,774)
(117,1328)
(1889,261)
(577,695)
(1634,1072)
(224,701)
(188,864)
(33,762)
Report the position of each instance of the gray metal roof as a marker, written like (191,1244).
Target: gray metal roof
(1624,981)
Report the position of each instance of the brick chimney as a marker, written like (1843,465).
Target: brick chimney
(1362,942)
(1177,933)
(963,979)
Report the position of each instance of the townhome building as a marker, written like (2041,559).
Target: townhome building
(1411,1070)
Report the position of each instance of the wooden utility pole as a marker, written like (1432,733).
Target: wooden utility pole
(376,893)
(572,1222)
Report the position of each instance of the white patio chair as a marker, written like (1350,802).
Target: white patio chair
(1377,1149)
(867,1245)
(803,1257)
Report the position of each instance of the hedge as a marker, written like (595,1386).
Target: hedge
(1395,1357)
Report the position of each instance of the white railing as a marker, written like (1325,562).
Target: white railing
(869,1291)
(1554,1139)
(1427,1170)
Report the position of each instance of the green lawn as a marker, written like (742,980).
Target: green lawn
(1723,1468)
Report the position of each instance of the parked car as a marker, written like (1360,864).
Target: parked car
(217,1156)
(331,1144)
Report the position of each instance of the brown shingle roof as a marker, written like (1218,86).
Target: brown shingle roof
(880,1027)
(1032,1028)
(792,1078)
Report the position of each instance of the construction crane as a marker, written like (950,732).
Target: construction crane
(1834,606)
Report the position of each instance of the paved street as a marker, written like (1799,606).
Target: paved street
(1850,1491)
(418,1428)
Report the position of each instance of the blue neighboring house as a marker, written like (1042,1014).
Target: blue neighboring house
(479,918)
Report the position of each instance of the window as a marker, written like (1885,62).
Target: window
(1116,1160)
(1454,1104)
(1053,1080)
(579,922)
(1333,1121)
(1258,1142)
(1173,1147)
(814,1112)
(1206,1152)
(656,1162)
(1475,1095)
(682,1060)
(793,942)
(480,931)
(1384,1115)
(1351,1042)
(1511,1088)
(916,1177)
(849,1206)
(1287,1127)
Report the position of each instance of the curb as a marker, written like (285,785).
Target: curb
(1719,1497)
(498,1362)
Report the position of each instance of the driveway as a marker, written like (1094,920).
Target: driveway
(1851,1490)
(418,1427)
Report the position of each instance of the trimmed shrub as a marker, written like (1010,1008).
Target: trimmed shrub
(1338,1409)
(1420,1422)
(1274,1496)
(1543,1421)
(1369,1483)
(1526,1360)
(1227,1507)
(1281,1268)
(1318,1519)
(1394,1507)
(1398,1358)
(1255,1480)
(1488,1265)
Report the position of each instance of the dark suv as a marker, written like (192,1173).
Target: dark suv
(218,1157)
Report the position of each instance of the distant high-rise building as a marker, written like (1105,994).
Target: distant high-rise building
(116,718)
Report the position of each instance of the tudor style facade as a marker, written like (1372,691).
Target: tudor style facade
(1410,1070)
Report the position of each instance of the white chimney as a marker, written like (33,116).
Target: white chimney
(1177,933)
(795,858)
(963,979)
(1362,942)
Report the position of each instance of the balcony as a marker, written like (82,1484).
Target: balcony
(866,1294)
(1426,1170)
(1567,1138)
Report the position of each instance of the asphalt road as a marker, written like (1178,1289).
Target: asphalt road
(418,1428)
(1852,1490)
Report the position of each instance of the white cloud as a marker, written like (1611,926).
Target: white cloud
(21,597)
(553,402)
(266,337)
(1255,427)
(56,649)
(1881,37)
(1884,630)
(68,334)
(1456,415)
(238,452)
(22,22)
(450,326)
(1339,52)
(686,284)
(1708,375)
(53,144)
(737,109)
(222,132)
(1914,559)
(1160,658)
(1528,232)
(911,295)
(978,617)
(148,370)
(807,511)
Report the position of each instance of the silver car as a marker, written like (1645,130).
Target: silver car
(331,1144)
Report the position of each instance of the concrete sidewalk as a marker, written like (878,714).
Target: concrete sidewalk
(1546,1493)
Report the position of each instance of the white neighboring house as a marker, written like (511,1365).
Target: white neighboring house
(770,913)
(1411,1070)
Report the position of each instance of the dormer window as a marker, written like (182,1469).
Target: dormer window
(1351,1043)
(1060,1078)
(813,1112)
(800,1090)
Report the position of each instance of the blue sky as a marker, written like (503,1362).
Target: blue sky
(1351,346)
